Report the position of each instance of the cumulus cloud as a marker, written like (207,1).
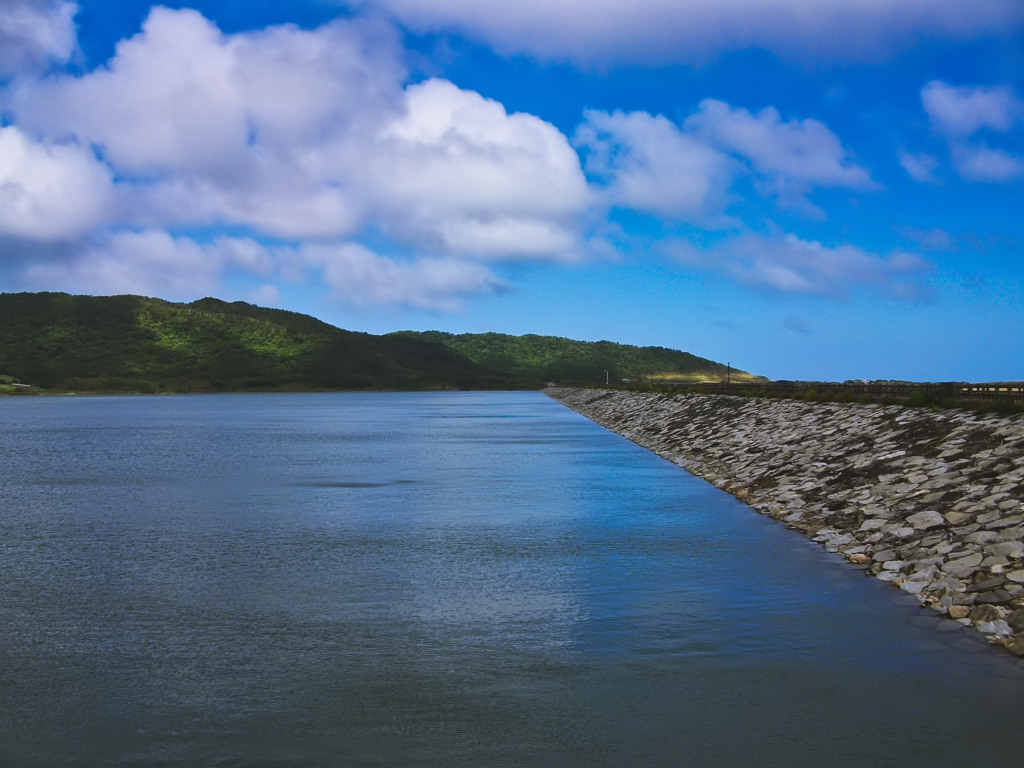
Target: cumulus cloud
(307,143)
(34,33)
(650,164)
(151,263)
(601,32)
(361,278)
(182,96)
(958,113)
(460,174)
(791,157)
(310,137)
(50,191)
(155,263)
(982,163)
(312,134)
(790,265)
(230,128)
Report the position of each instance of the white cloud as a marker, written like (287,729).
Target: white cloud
(34,33)
(601,32)
(650,165)
(155,263)
(312,137)
(50,191)
(361,278)
(230,128)
(792,157)
(960,111)
(981,163)
(507,238)
(284,203)
(460,174)
(311,134)
(921,167)
(790,265)
(307,136)
(182,96)
(150,263)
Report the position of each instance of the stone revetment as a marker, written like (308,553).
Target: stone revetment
(930,501)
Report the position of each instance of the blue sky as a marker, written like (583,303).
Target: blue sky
(806,190)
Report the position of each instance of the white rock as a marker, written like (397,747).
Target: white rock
(998,628)
(914,587)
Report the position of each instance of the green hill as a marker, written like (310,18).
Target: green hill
(131,343)
(532,360)
(60,342)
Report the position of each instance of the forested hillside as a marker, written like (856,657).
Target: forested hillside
(132,343)
(59,342)
(535,359)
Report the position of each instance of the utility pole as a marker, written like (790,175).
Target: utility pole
(728,375)
(606,378)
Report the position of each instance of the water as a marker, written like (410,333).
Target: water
(464,579)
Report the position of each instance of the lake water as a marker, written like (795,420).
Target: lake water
(442,579)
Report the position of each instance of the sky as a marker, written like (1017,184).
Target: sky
(806,190)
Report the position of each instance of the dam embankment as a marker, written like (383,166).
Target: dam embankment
(931,502)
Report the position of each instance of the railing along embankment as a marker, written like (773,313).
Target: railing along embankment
(948,394)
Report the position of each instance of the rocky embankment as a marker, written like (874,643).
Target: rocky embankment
(931,502)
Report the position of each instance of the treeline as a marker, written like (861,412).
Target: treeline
(59,342)
(538,359)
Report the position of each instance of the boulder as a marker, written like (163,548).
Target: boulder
(925,521)
(873,524)
(896,565)
(995,597)
(957,518)
(963,567)
(1016,620)
(985,583)
(1014,549)
(984,613)
(914,587)
(958,611)
(999,628)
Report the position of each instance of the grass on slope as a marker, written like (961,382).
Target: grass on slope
(534,360)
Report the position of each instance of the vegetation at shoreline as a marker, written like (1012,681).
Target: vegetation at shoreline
(908,394)
(57,342)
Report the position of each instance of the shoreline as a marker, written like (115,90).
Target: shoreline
(930,502)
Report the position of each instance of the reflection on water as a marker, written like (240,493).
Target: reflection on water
(459,579)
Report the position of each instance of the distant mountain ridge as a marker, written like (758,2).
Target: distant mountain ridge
(63,342)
